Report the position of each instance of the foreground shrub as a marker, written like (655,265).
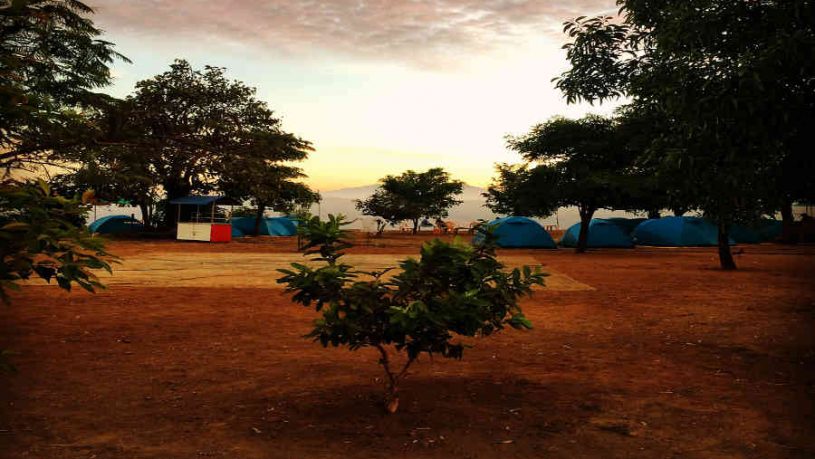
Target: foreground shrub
(453,290)
(43,235)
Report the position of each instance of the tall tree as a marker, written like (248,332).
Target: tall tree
(579,164)
(413,196)
(51,60)
(735,80)
(190,124)
(268,185)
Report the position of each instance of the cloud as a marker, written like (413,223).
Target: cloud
(416,32)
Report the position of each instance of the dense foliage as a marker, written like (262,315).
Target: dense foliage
(453,290)
(43,235)
(413,196)
(189,131)
(267,184)
(570,163)
(50,61)
(732,85)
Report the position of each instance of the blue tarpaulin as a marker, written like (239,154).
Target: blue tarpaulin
(274,226)
(769,229)
(677,232)
(519,232)
(602,233)
(116,224)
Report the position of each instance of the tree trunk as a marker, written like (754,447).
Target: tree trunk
(725,256)
(171,214)
(392,380)
(145,215)
(786,212)
(788,223)
(583,237)
(259,218)
(416,226)
(654,213)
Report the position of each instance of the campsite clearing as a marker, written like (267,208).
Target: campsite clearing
(662,356)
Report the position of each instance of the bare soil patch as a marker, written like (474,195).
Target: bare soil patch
(664,356)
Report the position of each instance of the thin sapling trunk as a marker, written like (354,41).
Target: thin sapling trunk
(392,380)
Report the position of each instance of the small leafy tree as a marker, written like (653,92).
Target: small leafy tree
(266,184)
(383,205)
(413,196)
(453,290)
(578,163)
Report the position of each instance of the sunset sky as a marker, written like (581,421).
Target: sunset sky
(377,86)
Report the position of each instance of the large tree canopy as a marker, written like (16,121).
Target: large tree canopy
(734,80)
(266,184)
(191,131)
(573,163)
(413,196)
(193,123)
(51,59)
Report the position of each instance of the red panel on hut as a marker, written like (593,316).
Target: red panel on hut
(220,232)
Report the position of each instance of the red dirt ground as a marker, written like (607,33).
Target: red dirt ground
(668,357)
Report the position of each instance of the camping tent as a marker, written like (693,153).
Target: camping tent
(116,224)
(275,226)
(769,229)
(677,232)
(744,234)
(626,224)
(766,229)
(519,232)
(602,233)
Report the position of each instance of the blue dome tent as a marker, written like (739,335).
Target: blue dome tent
(519,232)
(769,229)
(626,224)
(744,235)
(275,226)
(116,224)
(677,232)
(602,233)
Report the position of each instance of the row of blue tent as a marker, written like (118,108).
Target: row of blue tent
(525,232)
(628,232)
(241,226)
